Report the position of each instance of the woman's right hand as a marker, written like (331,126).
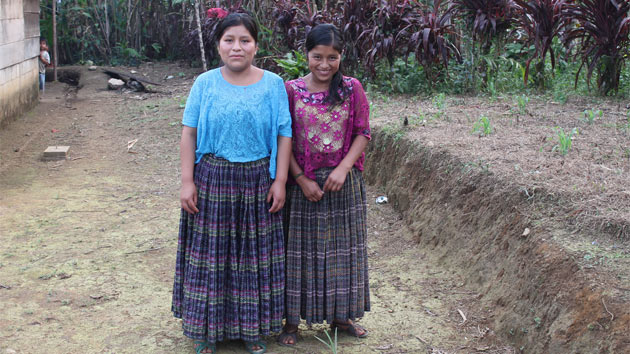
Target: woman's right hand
(310,188)
(188,197)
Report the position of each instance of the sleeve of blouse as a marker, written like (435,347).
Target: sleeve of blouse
(284,117)
(290,94)
(193,105)
(361,111)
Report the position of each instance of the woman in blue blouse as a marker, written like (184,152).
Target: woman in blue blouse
(235,149)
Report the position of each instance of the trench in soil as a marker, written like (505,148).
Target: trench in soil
(545,293)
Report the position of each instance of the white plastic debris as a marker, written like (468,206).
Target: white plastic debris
(381,200)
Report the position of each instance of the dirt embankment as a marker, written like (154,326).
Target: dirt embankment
(546,294)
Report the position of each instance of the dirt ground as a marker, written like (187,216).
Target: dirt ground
(88,243)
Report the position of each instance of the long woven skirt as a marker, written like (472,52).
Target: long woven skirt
(229,275)
(327,268)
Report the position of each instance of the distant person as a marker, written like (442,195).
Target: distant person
(325,216)
(235,152)
(44,61)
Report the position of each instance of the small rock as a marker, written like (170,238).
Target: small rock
(526,232)
(92,68)
(133,71)
(115,84)
(169,77)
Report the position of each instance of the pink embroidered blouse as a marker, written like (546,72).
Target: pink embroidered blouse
(322,137)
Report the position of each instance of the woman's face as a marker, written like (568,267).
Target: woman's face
(323,62)
(237,48)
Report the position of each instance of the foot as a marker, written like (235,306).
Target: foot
(205,347)
(288,337)
(351,328)
(255,347)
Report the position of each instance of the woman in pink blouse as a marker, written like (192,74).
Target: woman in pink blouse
(325,215)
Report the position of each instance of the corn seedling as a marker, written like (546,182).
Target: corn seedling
(589,115)
(564,140)
(439,102)
(482,126)
(331,344)
(521,104)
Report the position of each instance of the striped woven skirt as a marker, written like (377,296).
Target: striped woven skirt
(327,268)
(229,275)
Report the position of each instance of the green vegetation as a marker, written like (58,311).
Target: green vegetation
(482,126)
(589,115)
(331,344)
(564,140)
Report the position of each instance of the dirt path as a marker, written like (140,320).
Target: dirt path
(87,245)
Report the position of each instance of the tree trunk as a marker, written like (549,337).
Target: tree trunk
(54,18)
(203,52)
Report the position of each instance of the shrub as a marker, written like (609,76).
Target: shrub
(600,28)
(540,20)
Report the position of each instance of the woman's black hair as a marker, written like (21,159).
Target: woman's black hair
(237,19)
(329,35)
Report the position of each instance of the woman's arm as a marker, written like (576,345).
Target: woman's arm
(309,187)
(188,192)
(337,177)
(277,192)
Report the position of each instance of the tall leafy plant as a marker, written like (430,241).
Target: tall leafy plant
(429,37)
(540,21)
(380,38)
(600,28)
(487,19)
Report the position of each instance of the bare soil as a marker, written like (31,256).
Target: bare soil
(87,244)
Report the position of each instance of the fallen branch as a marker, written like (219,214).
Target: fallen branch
(612,317)
(5,286)
(422,340)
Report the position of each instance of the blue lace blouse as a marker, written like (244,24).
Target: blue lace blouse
(238,123)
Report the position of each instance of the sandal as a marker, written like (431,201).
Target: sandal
(350,328)
(250,347)
(202,347)
(282,338)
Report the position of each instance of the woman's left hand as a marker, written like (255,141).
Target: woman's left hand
(336,179)
(277,194)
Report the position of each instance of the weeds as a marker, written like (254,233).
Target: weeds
(589,115)
(564,140)
(331,344)
(482,126)
(626,125)
(560,96)
(294,65)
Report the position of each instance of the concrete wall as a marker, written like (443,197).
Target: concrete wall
(19,51)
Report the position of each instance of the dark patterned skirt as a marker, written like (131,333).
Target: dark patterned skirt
(229,275)
(327,268)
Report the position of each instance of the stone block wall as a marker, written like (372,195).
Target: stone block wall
(19,51)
